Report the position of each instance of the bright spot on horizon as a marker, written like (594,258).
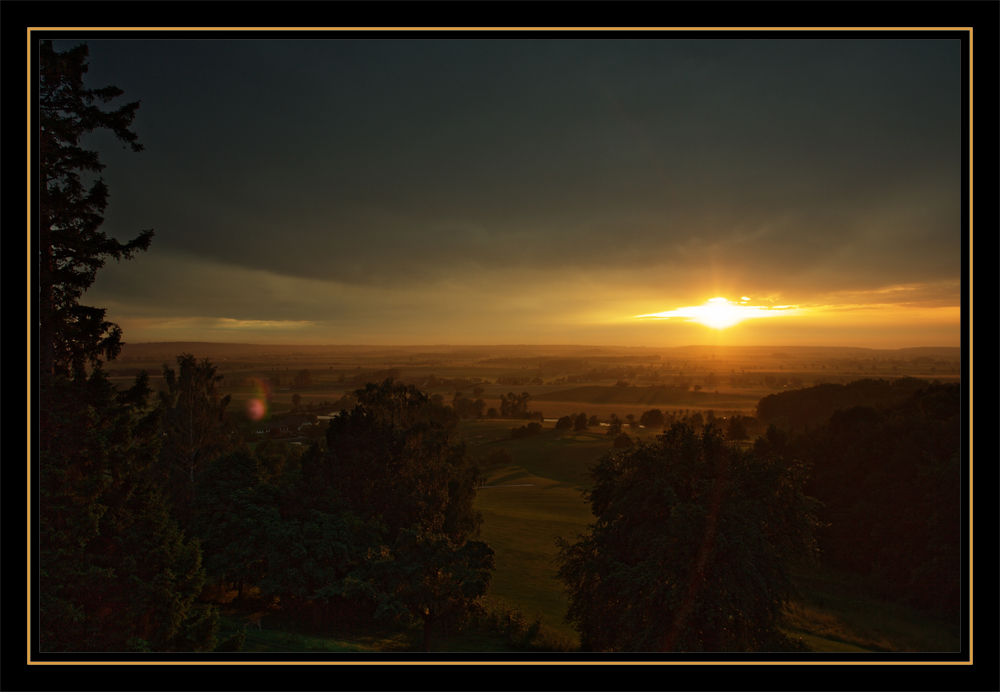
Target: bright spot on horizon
(721,313)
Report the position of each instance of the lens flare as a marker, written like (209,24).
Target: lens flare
(256,409)
(259,405)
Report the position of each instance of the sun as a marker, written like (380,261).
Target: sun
(721,313)
(718,313)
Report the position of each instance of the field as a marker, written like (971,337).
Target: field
(540,497)
(545,500)
(572,379)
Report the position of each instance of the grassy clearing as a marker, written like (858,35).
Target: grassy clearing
(522,524)
(277,636)
(558,455)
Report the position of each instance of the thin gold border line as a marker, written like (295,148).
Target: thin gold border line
(971,150)
(969,29)
(31,313)
(507,28)
(504,663)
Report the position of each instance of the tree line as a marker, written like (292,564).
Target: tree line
(144,502)
(694,537)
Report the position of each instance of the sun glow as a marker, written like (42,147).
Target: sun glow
(720,313)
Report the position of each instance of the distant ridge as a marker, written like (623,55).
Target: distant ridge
(208,349)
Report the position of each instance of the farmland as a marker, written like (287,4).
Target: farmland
(540,495)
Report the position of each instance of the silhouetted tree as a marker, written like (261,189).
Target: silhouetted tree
(615,428)
(115,572)
(71,245)
(514,405)
(497,458)
(394,458)
(623,440)
(890,481)
(277,458)
(394,464)
(428,575)
(533,428)
(195,429)
(231,518)
(652,419)
(691,548)
(735,429)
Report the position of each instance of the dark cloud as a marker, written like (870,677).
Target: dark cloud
(400,164)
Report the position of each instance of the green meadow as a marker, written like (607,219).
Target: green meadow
(526,506)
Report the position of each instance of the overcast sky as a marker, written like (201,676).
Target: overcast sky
(543,191)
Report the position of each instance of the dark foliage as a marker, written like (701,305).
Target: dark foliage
(622,440)
(890,482)
(807,408)
(528,430)
(514,405)
(195,428)
(428,575)
(231,517)
(70,243)
(615,426)
(115,572)
(392,459)
(736,429)
(497,458)
(652,419)
(691,548)
(393,463)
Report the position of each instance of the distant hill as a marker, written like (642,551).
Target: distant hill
(808,408)
(817,351)
(206,349)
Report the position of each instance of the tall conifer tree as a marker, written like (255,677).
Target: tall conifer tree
(115,572)
(71,246)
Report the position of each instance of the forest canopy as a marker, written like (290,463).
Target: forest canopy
(691,548)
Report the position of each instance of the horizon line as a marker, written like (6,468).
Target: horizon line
(519,345)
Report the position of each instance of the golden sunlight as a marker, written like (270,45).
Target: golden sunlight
(720,313)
